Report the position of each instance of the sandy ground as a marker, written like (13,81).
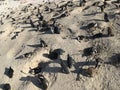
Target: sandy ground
(17,37)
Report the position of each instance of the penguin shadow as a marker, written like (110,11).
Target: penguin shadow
(34,46)
(96,20)
(84,63)
(2,86)
(96,36)
(47,32)
(78,70)
(27,27)
(42,32)
(53,55)
(50,31)
(50,67)
(55,62)
(32,30)
(25,55)
(65,61)
(19,57)
(84,27)
(92,14)
(34,80)
(54,69)
(112,9)
(114,60)
(118,24)
(46,55)
(99,35)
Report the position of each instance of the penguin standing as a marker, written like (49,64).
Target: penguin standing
(9,72)
(43,43)
(70,61)
(40,17)
(6,86)
(106,17)
(82,2)
(1,21)
(64,67)
(31,23)
(110,32)
(44,82)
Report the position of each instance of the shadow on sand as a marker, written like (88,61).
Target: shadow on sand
(34,80)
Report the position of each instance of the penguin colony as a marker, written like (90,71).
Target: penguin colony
(51,26)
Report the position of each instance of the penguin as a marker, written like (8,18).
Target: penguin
(110,32)
(27,55)
(64,67)
(81,37)
(105,4)
(35,70)
(9,72)
(31,23)
(91,25)
(102,8)
(44,82)
(43,43)
(106,17)
(98,35)
(1,21)
(82,2)
(6,86)
(40,17)
(95,3)
(98,61)
(70,61)
(55,29)
(13,19)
